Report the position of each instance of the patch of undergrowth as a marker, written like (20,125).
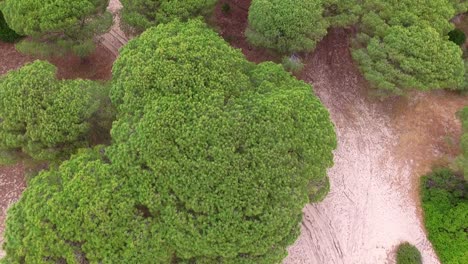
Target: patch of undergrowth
(445,204)
(408,254)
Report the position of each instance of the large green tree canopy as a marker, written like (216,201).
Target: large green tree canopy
(212,161)
(69,25)
(286,26)
(142,14)
(42,116)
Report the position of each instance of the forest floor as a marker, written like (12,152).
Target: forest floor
(383,148)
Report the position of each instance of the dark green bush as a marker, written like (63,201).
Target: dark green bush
(445,204)
(457,36)
(408,254)
(6,33)
(226,8)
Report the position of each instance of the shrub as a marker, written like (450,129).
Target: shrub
(445,204)
(408,254)
(457,36)
(212,160)
(6,33)
(41,116)
(286,26)
(142,14)
(411,58)
(292,64)
(226,8)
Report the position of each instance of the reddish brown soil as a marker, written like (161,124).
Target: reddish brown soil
(97,66)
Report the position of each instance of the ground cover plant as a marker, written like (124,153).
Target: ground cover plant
(212,160)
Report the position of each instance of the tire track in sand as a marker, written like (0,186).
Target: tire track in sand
(373,204)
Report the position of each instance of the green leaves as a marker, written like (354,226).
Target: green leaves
(445,213)
(42,116)
(66,26)
(286,26)
(142,14)
(403,59)
(403,46)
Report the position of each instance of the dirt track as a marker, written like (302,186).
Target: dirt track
(383,148)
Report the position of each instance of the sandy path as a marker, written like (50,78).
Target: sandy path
(383,148)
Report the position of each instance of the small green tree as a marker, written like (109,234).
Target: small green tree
(411,58)
(41,116)
(286,26)
(408,254)
(142,14)
(57,26)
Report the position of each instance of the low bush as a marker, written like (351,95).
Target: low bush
(445,205)
(408,254)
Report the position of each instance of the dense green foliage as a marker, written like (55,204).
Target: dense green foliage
(403,45)
(41,116)
(6,33)
(457,36)
(445,204)
(142,14)
(462,160)
(286,26)
(65,26)
(408,254)
(342,13)
(411,57)
(212,161)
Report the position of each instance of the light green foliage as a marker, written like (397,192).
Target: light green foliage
(413,57)
(462,160)
(403,45)
(85,210)
(212,161)
(379,15)
(342,13)
(66,26)
(445,204)
(286,26)
(460,6)
(42,116)
(408,254)
(142,14)
(292,64)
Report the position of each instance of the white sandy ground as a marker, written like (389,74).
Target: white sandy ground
(373,203)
